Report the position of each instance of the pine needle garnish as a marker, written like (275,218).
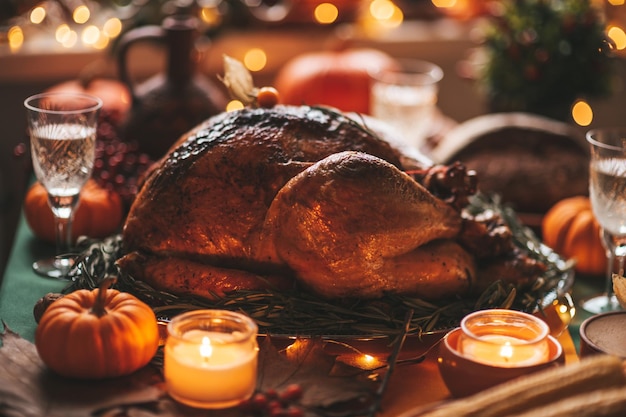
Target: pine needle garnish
(297,312)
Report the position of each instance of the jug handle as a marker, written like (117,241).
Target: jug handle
(144,33)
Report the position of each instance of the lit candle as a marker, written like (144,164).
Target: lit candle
(210,358)
(504,338)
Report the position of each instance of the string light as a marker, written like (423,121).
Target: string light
(37,15)
(582,113)
(326,13)
(255,59)
(81,14)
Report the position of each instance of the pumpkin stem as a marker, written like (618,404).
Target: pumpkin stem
(98,306)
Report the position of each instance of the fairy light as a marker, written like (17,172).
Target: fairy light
(81,14)
(381,9)
(15,36)
(255,59)
(618,36)
(211,16)
(386,13)
(90,35)
(582,113)
(326,13)
(112,27)
(37,15)
(444,4)
(234,105)
(62,33)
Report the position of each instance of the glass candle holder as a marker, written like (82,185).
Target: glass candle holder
(504,338)
(210,358)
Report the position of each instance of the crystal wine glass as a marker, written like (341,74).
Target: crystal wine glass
(62,129)
(607,191)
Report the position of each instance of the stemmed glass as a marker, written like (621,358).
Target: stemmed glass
(607,190)
(62,129)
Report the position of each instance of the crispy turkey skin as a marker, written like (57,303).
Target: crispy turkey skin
(294,195)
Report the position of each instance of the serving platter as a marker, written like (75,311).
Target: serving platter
(297,313)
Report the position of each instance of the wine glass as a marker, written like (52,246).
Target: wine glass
(607,191)
(62,129)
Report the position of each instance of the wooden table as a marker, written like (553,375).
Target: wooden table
(410,386)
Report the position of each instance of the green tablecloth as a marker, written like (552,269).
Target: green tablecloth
(21,287)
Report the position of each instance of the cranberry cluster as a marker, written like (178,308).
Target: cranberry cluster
(119,165)
(273,403)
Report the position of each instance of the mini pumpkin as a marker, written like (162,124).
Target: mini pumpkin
(97,334)
(99,213)
(570,228)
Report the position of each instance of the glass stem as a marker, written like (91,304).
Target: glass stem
(63,209)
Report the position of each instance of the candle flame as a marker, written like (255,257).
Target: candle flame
(506,351)
(206,350)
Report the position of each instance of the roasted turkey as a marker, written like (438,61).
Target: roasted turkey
(308,197)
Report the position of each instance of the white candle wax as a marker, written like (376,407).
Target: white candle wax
(504,338)
(506,351)
(210,369)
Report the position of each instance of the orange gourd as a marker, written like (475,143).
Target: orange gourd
(97,334)
(339,79)
(570,228)
(99,213)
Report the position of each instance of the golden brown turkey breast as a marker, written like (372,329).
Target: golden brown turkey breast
(260,197)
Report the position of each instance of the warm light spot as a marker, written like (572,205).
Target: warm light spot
(15,36)
(234,105)
(255,59)
(506,350)
(618,36)
(37,15)
(211,16)
(102,42)
(386,13)
(445,4)
(616,2)
(582,113)
(81,14)
(90,35)
(382,9)
(326,13)
(62,33)
(70,39)
(112,27)
(206,350)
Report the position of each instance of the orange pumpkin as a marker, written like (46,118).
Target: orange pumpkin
(97,334)
(339,79)
(570,228)
(99,213)
(114,94)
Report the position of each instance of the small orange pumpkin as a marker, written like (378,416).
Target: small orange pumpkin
(99,213)
(97,334)
(570,228)
(334,78)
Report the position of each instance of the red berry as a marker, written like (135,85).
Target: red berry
(292,392)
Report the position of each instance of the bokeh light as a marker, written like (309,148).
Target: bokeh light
(618,36)
(326,13)
(234,105)
(255,59)
(37,15)
(15,36)
(445,4)
(81,14)
(112,27)
(582,113)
